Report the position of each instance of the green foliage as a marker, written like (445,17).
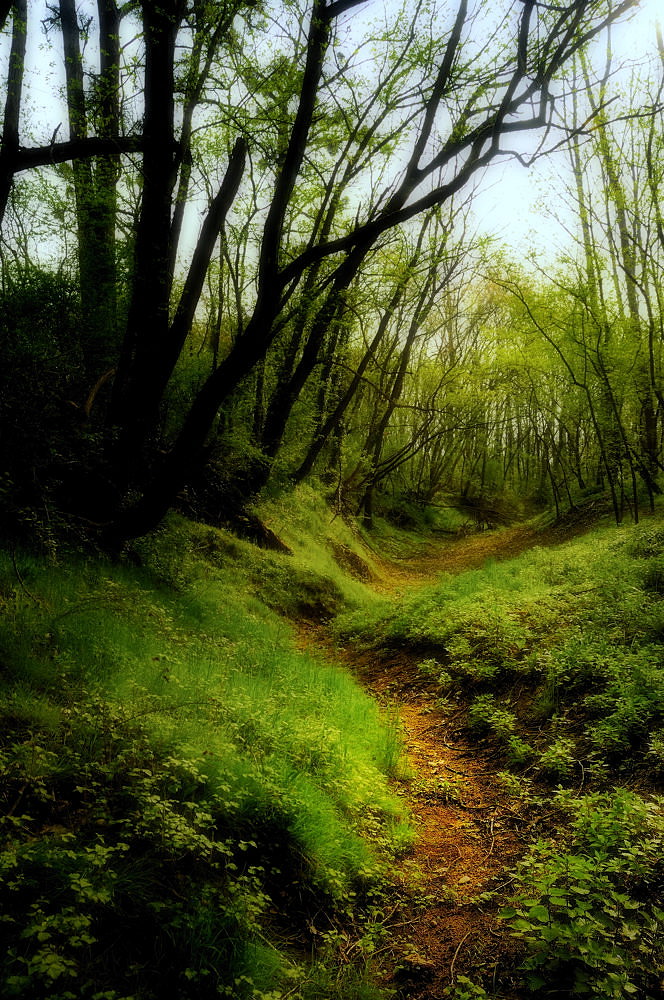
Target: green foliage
(432,670)
(109,828)
(645,541)
(516,786)
(174,773)
(655,754)
(575,631)
(587,910)
(405,511)
(41,382)
(653,576)
(486,716)
(519,752)
(466,989)
(328,546)
(437,789)
(558,760)
(479,624)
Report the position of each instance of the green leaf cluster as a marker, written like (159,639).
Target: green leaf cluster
(587,910)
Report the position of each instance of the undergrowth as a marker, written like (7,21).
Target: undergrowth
(189,804)
(588,905)
(553,663)
(556,654)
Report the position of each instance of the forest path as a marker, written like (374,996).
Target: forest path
(470,829)
(455,555)
(468,826)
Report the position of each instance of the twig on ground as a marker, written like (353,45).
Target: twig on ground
(583,777)
(493,841)
(453,749)
(458,949)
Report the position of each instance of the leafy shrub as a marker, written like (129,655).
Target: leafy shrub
(655,753)
(645,541)
(586,911)
(432,670)
(466,989)
(630,705)
(159,719)
(77,895)
(485,715)
(519,752)
(437,789)
(653,576)
(557,762)
(516,786)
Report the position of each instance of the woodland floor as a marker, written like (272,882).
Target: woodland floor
(470,832)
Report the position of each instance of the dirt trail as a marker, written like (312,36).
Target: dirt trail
(469,829)
(468,834)
(455,556)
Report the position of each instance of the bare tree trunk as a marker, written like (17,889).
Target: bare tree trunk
(10,127)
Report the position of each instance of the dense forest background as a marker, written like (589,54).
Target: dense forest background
(238,249)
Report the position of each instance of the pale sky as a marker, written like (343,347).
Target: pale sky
(513,202)
(516,204)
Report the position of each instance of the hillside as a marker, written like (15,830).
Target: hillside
(332,771)
(531,692)
(189,804)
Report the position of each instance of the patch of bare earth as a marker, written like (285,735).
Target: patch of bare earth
(468,836)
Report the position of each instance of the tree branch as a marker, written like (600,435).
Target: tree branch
(59,152)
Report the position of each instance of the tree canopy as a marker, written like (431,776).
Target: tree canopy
(257,215)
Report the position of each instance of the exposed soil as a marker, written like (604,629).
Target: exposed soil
(470,831)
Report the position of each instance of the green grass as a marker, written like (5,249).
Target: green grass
(193,807)
(561,646)
(183,792)
(324,545)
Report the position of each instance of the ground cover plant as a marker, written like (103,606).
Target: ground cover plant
(587,905)
(560,647)
(187,801)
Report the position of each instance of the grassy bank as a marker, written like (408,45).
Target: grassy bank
(190,806)
(552,664)
(557,655)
